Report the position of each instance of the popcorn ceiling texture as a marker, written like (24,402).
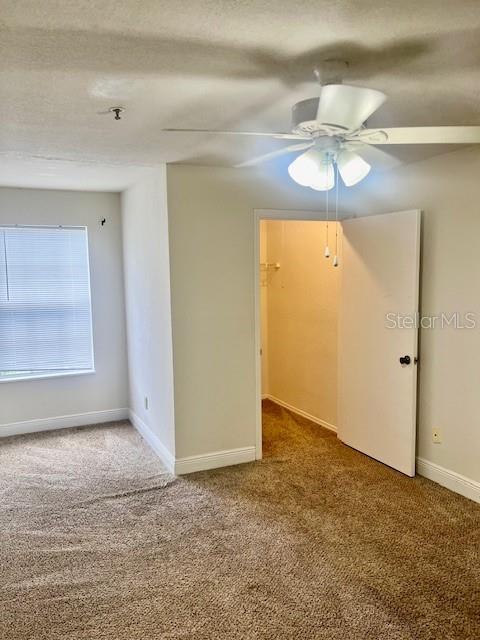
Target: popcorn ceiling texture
(315,542)
(220,64)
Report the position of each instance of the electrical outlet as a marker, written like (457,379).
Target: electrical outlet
(436,435)
(146,402)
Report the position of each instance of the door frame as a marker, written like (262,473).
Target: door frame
(258,215)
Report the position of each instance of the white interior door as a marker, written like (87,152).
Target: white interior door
(378,307)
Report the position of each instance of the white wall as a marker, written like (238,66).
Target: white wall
(212,279)
(106,389)
(447,189)
(147,295)
(302,307)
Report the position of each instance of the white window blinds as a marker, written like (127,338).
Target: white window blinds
(45,311)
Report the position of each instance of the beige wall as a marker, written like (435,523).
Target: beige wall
(106,389)
(212,282)
(147,299)
(212,244)
(447,189)
(302,302)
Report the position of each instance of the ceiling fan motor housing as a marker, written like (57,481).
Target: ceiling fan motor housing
(304,117)
(340,109)
(305,122)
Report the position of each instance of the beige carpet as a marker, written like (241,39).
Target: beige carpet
(314,542)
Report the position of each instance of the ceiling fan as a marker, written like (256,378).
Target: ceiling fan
(331,132)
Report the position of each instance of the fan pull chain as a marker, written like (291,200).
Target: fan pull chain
(327,248)
(335,257)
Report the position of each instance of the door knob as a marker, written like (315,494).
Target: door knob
(405,360)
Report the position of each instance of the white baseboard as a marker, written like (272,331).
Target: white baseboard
(214,460)
(449,479)
(300,412)
(62,422)
(154,441)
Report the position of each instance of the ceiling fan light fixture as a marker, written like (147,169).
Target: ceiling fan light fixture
(305,167)
(324,180)
(352,167)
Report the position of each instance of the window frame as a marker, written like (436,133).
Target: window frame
(42,375)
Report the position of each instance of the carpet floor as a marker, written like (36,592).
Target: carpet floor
(314,542)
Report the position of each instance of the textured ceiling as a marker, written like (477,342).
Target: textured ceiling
(76,175)
(220,64)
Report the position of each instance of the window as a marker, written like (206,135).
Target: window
(45,311)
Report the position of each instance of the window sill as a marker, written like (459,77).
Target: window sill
(43,376)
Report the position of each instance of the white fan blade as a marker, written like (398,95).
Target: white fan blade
(346,106)
(275,154)
(421,135)
(378,159)
(281,136)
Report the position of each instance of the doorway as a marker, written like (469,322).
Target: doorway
(299,298)
(324,349)
(270,273)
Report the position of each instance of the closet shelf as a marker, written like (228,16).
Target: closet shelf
(266,266)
